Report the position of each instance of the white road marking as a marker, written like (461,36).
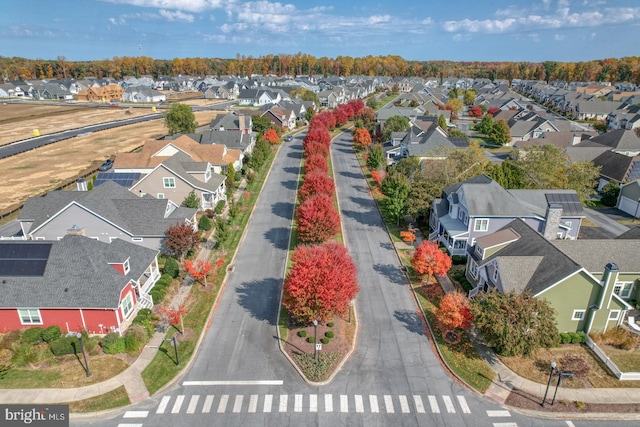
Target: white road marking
(265,382)
(177,404)
(208,401)
(129,425)
(419,405)
(505,424)
(404,404)
(222,406)
(253,403)
(359,403)
(463,404)
(448,403)
(136,414)
(297,403)
(328,403)
(313,403)
(237,405)
(498,414)
(433,402)
(193,403)
(373,402)
(388,404)
(163,404)
(268,401)
(344,403)
(570,423)
(283,403)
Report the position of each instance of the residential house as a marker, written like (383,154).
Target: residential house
(623,141)
(77,283)
(110,92)
(283,118)
(257,97)
(143,94)
(629,198)
(51,91)
(233,121)
(107,212)
(178,176)
(586,282)
(616,167)
(432,143)
(480,206)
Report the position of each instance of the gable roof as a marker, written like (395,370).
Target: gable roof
(485,197)
(77,274)
(620,139)
(594,254)
(615,165)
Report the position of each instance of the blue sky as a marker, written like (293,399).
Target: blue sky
(459,30)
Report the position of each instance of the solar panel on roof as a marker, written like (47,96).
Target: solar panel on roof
(24,259)
(124,179)
(569,201)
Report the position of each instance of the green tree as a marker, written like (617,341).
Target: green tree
(204,223)
(396,189)
(222,232)
(515,324)
(421,194)
(375,160)
(500,132)
(180,119)
(455,105)
(485,125)
(469,97)
(442,122)
(192,200)
(582,177)
(543,166)
(230,181)
(408,167)
(610,193)
(260,124)
(453,93)
(394,124)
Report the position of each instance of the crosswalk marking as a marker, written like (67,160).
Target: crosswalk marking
(283,403)
(193,403)
(237,405)
(253,403)
(268,400)
(177,404)
(404,404)
(359,403)
(135,414)
(163,404)
(313,403)
(222,406)
(418,402)
(129,425)
(388,404)
(373,402)
(328,402)
(344,403)
(433,402)
(297,403)
(448,403)
(463,405)
(499,413)
(208,401)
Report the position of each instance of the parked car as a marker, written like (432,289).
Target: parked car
(288,138)
(106,165)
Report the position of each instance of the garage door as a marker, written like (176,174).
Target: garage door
(629,206)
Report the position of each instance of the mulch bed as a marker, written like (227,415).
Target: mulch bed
(523,400)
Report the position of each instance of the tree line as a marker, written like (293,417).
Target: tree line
(626,69)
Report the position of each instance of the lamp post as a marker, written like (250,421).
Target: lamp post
(553,368)
(315,340)
(84,355)
(175,347)
(561,375)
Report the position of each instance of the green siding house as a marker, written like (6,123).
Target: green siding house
(589,283)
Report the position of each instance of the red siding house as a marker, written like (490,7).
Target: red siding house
(77,283)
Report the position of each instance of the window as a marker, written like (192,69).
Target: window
(578,315)
(466,219)
(495,273)
(473,269)
(169,182)
(614,314)
(127,267)
(460,214)
(481,225)
(623,290)
(127,305)
(160,195)
(568,224)
(29,316)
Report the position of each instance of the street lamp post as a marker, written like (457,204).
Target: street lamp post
(561,375)
(315,340)
(553,368)
(84,355)
(175,347)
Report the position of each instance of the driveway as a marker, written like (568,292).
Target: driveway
(606,219)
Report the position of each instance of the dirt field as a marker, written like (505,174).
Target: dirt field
(18,121)
(38,171)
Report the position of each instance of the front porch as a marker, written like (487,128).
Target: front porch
(453,235)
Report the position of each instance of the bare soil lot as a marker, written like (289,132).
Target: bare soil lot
(39,171)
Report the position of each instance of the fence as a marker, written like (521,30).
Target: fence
(627,376)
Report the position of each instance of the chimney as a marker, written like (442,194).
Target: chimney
(76,231)
(81,184)
(552,221)
(575,139)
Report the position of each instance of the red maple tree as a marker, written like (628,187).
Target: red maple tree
(317,134)
(317,219)
(377,176)
(475,111)
(493,110)
(316,162)
(321,283)
(316,182)
(198,270)
(454,311)
(180,239)
(361,138)
(174,316)
(430,260)
(357,105)
(340,115)
(271,136)
(315,147)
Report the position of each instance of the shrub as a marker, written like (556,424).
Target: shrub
(64,345)
(146,319)
(459,259)
(51,333)
(156,295)
(171,267)
(330,324)
(112,343)
(32,335)
(135,337)
(23,354)
(325,340)
(565,337)
(210,213)
(311,340)
(204,223)
(329,334)
(578,337)
(302,334)
(219,207)
(9,339)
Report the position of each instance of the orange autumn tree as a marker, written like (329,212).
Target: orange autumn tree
(361,138)
(430,260)
(174,316)
(271,136)
(408,236)
(198,270)
(454,311)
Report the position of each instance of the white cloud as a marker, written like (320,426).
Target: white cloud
(175,16)
(188,5)
(376,19)
(558,37)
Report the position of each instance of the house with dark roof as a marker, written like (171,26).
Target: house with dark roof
(480,206)
(586,282)
(629,198)
(142,94)
(106,213)
(616,167)
(77,283)
(623,141)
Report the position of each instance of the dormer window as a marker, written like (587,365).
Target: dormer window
(122,267)
(126,267)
